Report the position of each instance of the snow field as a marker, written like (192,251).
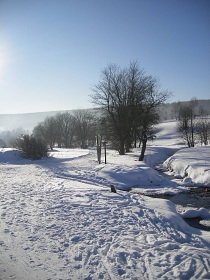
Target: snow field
(59,220)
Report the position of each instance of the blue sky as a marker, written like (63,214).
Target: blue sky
(52,52)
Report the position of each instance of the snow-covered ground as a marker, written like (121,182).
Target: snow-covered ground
(59,220)
(191,164)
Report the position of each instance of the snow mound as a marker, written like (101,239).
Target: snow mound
(127,177)
(200,213)
(8,155)
(192,164)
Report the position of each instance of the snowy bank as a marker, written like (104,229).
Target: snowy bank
(191,164)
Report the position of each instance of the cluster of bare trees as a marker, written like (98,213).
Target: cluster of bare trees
(68,130)
(194,127)
(129,100)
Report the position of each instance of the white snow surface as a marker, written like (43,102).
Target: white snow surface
(192,164)
(59,220)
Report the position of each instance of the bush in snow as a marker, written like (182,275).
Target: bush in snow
(32,147)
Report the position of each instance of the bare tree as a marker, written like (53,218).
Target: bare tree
(46,131)
(66,123)
(116,94)
(67,129)
(153,97)
(176,108)
(187,122)
(128,99)
(85,124)
(185,125)
(203,130)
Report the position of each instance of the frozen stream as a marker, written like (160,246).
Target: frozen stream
(194,199)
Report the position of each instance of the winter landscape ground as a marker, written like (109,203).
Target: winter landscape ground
(59,220)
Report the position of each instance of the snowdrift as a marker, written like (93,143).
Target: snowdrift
(191,164)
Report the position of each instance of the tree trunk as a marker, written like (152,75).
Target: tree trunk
(99,142)
(143,149)
(127,147)
(122,148)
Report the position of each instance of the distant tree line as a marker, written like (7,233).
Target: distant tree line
(169,111)
(68,130)
(194,127)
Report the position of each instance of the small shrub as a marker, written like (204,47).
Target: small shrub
(32,147)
